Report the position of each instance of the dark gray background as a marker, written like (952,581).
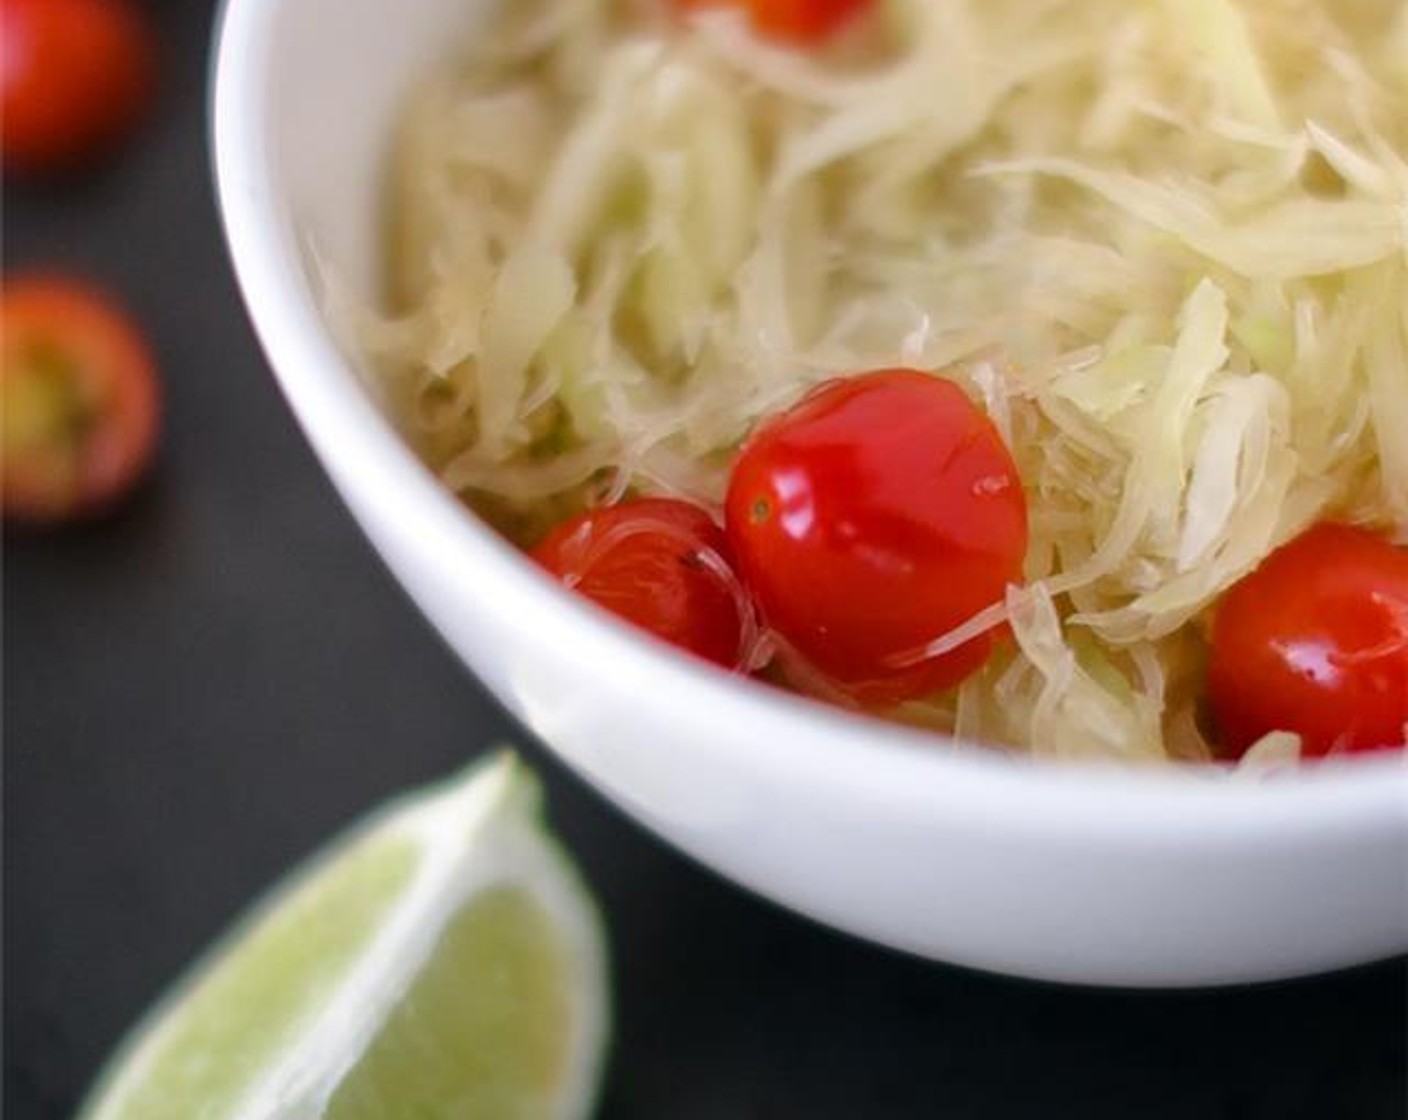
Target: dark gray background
(199,691)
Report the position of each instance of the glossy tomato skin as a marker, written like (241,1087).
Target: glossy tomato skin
(1315,641)
(659,563)
(872,518)
(81,401)
(74,76)
(796,21)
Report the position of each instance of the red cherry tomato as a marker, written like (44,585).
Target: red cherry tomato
(74,76)
(872,518)
(798,21)
(80,401)
(659,563)
(1315,641)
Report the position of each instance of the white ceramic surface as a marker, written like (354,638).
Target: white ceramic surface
(1078,874)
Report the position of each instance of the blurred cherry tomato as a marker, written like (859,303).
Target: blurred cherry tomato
(798,21)
(1315,641)
(80,401)
(876,515)
(74,76)
(659,563)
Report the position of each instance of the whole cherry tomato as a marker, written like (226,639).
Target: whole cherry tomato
(798,21)
(872,518)
(74,76)
(80,401)
(1315,641)
(659,563)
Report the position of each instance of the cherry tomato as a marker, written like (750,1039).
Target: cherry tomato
(1315,641)
(74,76)
(798,21)
(659,563)
(876,515)
(80,401)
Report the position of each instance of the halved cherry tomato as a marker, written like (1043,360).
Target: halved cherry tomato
(798,21)
(876,515)
(74,76)
(1315,641)
(659,563)
(80,401)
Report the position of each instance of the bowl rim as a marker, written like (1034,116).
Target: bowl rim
(337,413)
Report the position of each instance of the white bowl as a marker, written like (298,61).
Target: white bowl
(1080,874)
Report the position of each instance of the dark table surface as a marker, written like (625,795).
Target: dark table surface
(201,689)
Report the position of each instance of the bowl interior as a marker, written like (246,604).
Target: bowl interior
(331,101)
(301,174)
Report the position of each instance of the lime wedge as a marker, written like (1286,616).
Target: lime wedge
(441,960)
